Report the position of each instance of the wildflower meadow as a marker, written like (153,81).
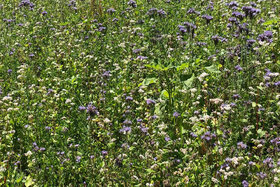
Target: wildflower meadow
(140,93)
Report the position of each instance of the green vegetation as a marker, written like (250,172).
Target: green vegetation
(139,93)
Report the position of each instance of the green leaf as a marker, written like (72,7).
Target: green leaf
(183,130)
(254,104)
(155,67)
(148,81)
(219,132)
(150,171)
(183,66)
(29,181)
(271,22)
(188,83)
(213,69)
(158,111)
(261,133)
(19,179)
(164,94)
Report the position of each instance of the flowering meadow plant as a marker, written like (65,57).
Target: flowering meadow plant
(139,93)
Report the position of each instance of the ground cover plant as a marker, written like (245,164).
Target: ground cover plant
(139,93)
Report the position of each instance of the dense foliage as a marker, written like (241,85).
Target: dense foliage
(139,93)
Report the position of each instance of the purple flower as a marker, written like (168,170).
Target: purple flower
(162,13)
(127,122)
(92,110)
(150,102)
(236,96)
(78,159)
(208,136)
(44,13)
(167,138)
(82,108)
(142,57)
(176,114)
(193,11)
(233,20)
(266,36)
(115,19)
(277,83)
(111,10)
(101,29)
(241,145)
(245,183)
(48,128)
(250,42)
(136,51)
(128,98)
(262,175)
(132,3)
(154,117)
(190,27)
(239,15)
(182,29)
(10,71)
(125,129)
(16,163)
(106,74)
(144,129)
(152,11)
(193,135)
(250,11)
(232,4)
(238,68)
(104,153)
(208,18)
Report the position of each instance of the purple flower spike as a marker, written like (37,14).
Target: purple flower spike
(207,18)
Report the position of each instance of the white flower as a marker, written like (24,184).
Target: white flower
(201,77)
(106,120)
(29,153)
(193,90)
(216,100)
(6,98)
(215,180)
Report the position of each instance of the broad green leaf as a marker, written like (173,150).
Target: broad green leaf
(150,171)
(213,69)
(164,94)
(19,179)
(148,81)
(261,132)
(158,109)
(254,104)
(29,181)
(182,66)
(271,22)
(188,83)
(219,132)
(183,130)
